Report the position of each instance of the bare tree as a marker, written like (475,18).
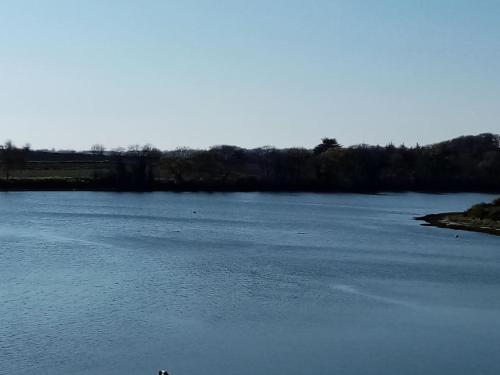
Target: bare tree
(11,158)
(98,149)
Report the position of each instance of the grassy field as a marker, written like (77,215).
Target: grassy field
(60,170)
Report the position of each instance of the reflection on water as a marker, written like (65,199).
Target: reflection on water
(102,283)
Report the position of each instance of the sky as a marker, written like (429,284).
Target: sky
(250,73)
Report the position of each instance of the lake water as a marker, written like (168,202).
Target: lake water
(227,284)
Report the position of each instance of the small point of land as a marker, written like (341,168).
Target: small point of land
(483,217)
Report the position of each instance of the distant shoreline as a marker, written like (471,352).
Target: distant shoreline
(104,185)
(459,221)
(468,163)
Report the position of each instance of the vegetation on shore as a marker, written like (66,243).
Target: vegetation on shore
(482,217)
(468,163)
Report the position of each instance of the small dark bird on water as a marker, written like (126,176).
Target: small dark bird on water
(194,212)
(163,372)
(456,236)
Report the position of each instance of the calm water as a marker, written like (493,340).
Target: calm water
(102,283)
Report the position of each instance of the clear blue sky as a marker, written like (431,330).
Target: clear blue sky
(251,73)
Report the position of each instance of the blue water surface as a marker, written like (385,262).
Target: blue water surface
(244,283)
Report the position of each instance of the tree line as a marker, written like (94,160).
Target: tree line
(467,163)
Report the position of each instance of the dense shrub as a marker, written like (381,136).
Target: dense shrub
(485,211)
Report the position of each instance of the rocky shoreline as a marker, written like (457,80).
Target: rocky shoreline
(460,221)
